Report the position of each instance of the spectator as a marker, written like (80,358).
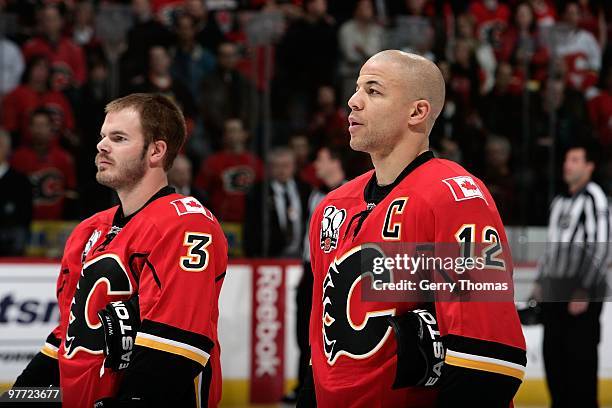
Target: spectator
(593,19)
(95,95)
(545,13)
(228,176)
(570,109)
(83,30)
(300,145)
(579,50)
(59,49)
(224,94)
(299,72)
(464,90)
(522,47)
(359,38)
(600,110)
(144,34)
(465,77)
(34,93)
(11,65)
(328,124)
(492,18)
(180,177)
(498,177)
(285,202)
(413,26)
(159,80)
(191,62)
(329,169)
(566,108)
(501,108)
(50,169)
(15,203)
(208,33)
(465,31)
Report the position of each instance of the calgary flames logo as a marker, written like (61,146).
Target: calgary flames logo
(84,328)
(341,335)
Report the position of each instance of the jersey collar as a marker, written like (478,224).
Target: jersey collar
(374,194)
(119,220)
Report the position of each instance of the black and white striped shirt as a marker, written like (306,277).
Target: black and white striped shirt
(579,237)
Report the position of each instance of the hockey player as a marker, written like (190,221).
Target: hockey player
(139,283)
(378,353)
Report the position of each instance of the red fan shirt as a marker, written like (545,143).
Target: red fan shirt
(227,177)
(65,54)
(51,175)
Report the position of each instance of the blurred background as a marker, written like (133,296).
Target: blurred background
(263,85)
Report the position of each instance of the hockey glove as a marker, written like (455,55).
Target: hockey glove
(420,354)
(120,322)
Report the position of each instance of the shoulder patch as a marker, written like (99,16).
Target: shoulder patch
(330,227)
(464,188)
(90,243)
(189,205)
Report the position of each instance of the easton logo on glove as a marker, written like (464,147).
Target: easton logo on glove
(120,322)
(420,353)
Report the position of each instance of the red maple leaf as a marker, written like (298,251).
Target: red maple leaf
(468,185)
(193,203)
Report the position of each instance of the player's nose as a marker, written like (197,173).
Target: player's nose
(102,145)
(355,102)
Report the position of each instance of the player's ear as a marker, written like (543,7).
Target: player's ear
(420,111)
(157,151)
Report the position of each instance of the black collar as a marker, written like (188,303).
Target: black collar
(374,194)
(119,220)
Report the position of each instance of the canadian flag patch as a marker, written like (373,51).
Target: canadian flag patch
(190,205)
(464,188)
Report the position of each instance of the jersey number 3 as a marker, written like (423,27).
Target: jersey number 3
(197,256)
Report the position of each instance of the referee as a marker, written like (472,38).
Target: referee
(572,283)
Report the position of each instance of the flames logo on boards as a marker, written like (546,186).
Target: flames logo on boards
(83,333)
(330,227)
(341,336)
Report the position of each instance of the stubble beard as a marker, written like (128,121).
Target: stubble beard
(126,175)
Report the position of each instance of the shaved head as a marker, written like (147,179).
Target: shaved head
(420,77)
(397,98)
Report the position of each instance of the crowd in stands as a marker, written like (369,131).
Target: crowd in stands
(263,85)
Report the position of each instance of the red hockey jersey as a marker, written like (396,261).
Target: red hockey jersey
(173,254)
(353,347)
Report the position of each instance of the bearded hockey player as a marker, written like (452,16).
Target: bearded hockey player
(139,283)
(377,353)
